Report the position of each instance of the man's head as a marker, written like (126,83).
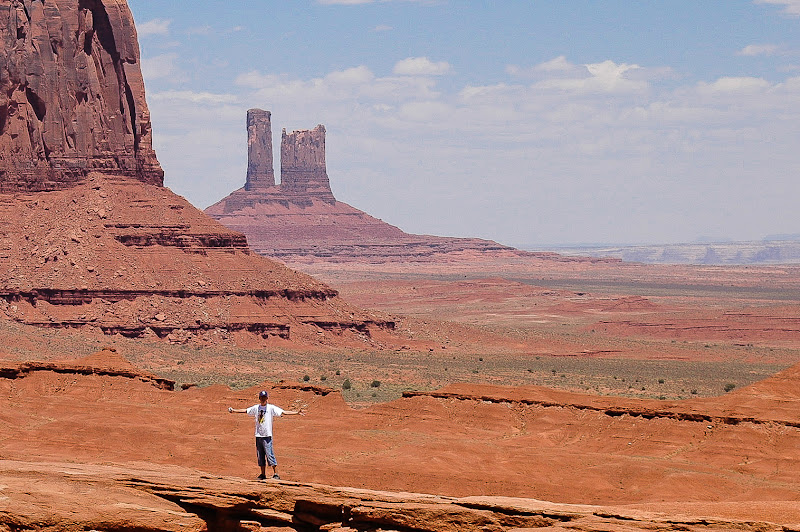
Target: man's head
(263,396)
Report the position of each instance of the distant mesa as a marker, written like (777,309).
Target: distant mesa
(89,237)
(300,219)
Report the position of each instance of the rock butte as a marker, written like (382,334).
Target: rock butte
(300,220)
(90,237)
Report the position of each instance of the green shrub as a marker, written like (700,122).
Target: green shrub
(375,384)
(306,378)
(730,386)
(346,385)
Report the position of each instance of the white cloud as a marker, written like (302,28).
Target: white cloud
(759,49)
(161,66)
(352,76)
(204,98)
(558,64)
(790,7)
(421,66)
(357,84)
(608,76)
(381,28)
(734,85)
(157,26)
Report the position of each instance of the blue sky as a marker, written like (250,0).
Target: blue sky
(527,122)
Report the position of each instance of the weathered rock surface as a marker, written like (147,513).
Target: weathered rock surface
(334,232)
(75,496)
(89,238)
(303,169)
(260,171)
(71,95)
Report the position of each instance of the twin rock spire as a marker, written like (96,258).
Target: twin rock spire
(303,170)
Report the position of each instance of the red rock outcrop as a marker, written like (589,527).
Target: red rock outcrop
(71,95)
(304,179)
(260,171)
(89,237)
(303,170)
(69,496)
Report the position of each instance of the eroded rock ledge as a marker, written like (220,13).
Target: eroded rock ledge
(24,369)
(62,497)
(714,410)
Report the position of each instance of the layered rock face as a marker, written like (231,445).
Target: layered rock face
(607,463)
(71,95)
(303,164)
(304,179)
(301,220)
(260,172)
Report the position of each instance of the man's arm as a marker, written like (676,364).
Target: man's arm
(293,413)
(237,410)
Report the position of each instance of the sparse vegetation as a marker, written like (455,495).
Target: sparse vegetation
(346,385)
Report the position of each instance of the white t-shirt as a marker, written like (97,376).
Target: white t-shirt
(263,416)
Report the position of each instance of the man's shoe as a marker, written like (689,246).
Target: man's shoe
(262,477)
(276,477)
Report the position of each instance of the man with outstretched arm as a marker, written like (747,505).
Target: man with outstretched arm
(263,414)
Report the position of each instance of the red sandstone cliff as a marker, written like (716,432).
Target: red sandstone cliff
(300,219)
(71,95)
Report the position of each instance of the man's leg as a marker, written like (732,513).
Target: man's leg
(271,458)
(261,454)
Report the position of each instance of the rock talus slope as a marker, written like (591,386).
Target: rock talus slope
(124,257)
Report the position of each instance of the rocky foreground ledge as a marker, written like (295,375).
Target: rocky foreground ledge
(70,496)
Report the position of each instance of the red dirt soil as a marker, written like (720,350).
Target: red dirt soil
(576,308)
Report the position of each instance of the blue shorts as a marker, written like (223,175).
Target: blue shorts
(264,451)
